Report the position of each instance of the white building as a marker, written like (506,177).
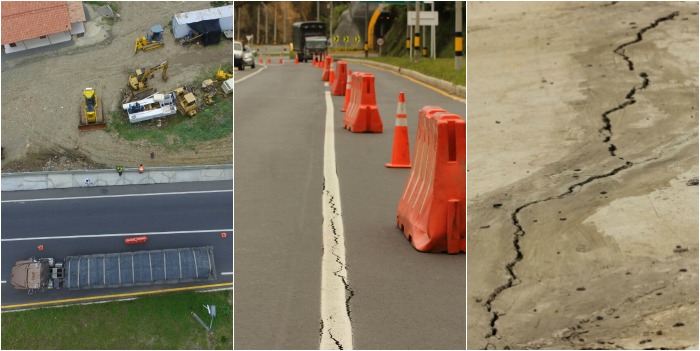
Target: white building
(32,24)
(206,20)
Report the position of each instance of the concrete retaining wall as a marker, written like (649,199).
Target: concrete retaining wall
(110,177)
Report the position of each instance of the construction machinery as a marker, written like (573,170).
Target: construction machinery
(209,91)
(150,42)
(186,101)
(91,114)
(138,85)
(222,75)
(113,270)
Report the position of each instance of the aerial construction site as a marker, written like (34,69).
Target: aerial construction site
(123,89)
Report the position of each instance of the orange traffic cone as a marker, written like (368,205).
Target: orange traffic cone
(223,234)
(401,155)
(141,168)
(281,62)
(347,92)
(40,247)
(296,59)
(330,79)
(261,60)
(268,60)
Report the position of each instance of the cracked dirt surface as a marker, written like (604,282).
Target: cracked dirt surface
(582,155)
(41,89)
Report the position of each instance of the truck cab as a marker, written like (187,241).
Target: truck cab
(309,39)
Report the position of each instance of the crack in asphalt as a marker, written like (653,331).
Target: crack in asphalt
(607,133)
(342,267)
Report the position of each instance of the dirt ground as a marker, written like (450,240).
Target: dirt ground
(41,91)
(582,175)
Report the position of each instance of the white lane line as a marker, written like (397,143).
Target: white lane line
(122,195)
(3,282)
(248,76)
(336,328)
(226,273)
(118,234)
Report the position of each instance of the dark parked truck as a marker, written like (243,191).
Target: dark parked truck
(116,269)
(308,39)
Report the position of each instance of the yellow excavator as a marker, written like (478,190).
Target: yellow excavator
(186,101)
(138,81)
(91,116)
(138,86)
(150,42)
(222,75)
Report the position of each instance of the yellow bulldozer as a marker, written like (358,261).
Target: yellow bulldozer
(150,42)
(91,114)
(186,101)
(138,82)
(222,75)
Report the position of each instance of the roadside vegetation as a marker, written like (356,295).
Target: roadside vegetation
(211,122)
(441,68)
(150,322)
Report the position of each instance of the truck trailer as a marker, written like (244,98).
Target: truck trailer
(308,39)
(115,270)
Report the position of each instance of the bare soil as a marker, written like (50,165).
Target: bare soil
(41,89)
(582,168)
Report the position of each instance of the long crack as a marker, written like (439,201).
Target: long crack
(607,132)
(342,267)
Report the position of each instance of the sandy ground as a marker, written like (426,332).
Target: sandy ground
(582,150)
(41,91)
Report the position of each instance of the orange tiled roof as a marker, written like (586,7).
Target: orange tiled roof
(75,11)
(31,19)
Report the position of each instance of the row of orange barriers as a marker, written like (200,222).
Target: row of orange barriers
(432,209)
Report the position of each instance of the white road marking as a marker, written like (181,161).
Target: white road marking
(336,328)
(121,195)
(118,234)
(226,273)
(248,76)
(3,282)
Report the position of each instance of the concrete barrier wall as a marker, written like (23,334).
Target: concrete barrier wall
(110,177)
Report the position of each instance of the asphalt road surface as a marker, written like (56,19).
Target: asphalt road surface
(94,220)
(397,297)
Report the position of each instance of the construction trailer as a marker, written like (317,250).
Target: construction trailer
(114,270)
(209,23)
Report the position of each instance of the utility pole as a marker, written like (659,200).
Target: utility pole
(257,35)
(318,11)
(416,36)
(274,32)
(266,36)
(330,28)
(285,22)
(458,35)
(238,22)
(409,33)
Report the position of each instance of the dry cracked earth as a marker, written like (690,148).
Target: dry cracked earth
(582,175)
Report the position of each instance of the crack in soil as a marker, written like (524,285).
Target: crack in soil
(607,132)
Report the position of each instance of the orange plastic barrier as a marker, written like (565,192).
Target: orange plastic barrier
(136,240)
(348,89)
(432,209)
(400,154)
(362,114)
(341,79)
(327,68)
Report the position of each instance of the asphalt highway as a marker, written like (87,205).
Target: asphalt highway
(397,297)
(94,220)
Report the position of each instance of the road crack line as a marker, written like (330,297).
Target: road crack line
(607,133)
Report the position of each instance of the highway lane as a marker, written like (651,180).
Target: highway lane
(98,212)
(208,212)
(399,298)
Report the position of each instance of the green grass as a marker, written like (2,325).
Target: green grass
(212,122)
(150,322)
(441,68)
